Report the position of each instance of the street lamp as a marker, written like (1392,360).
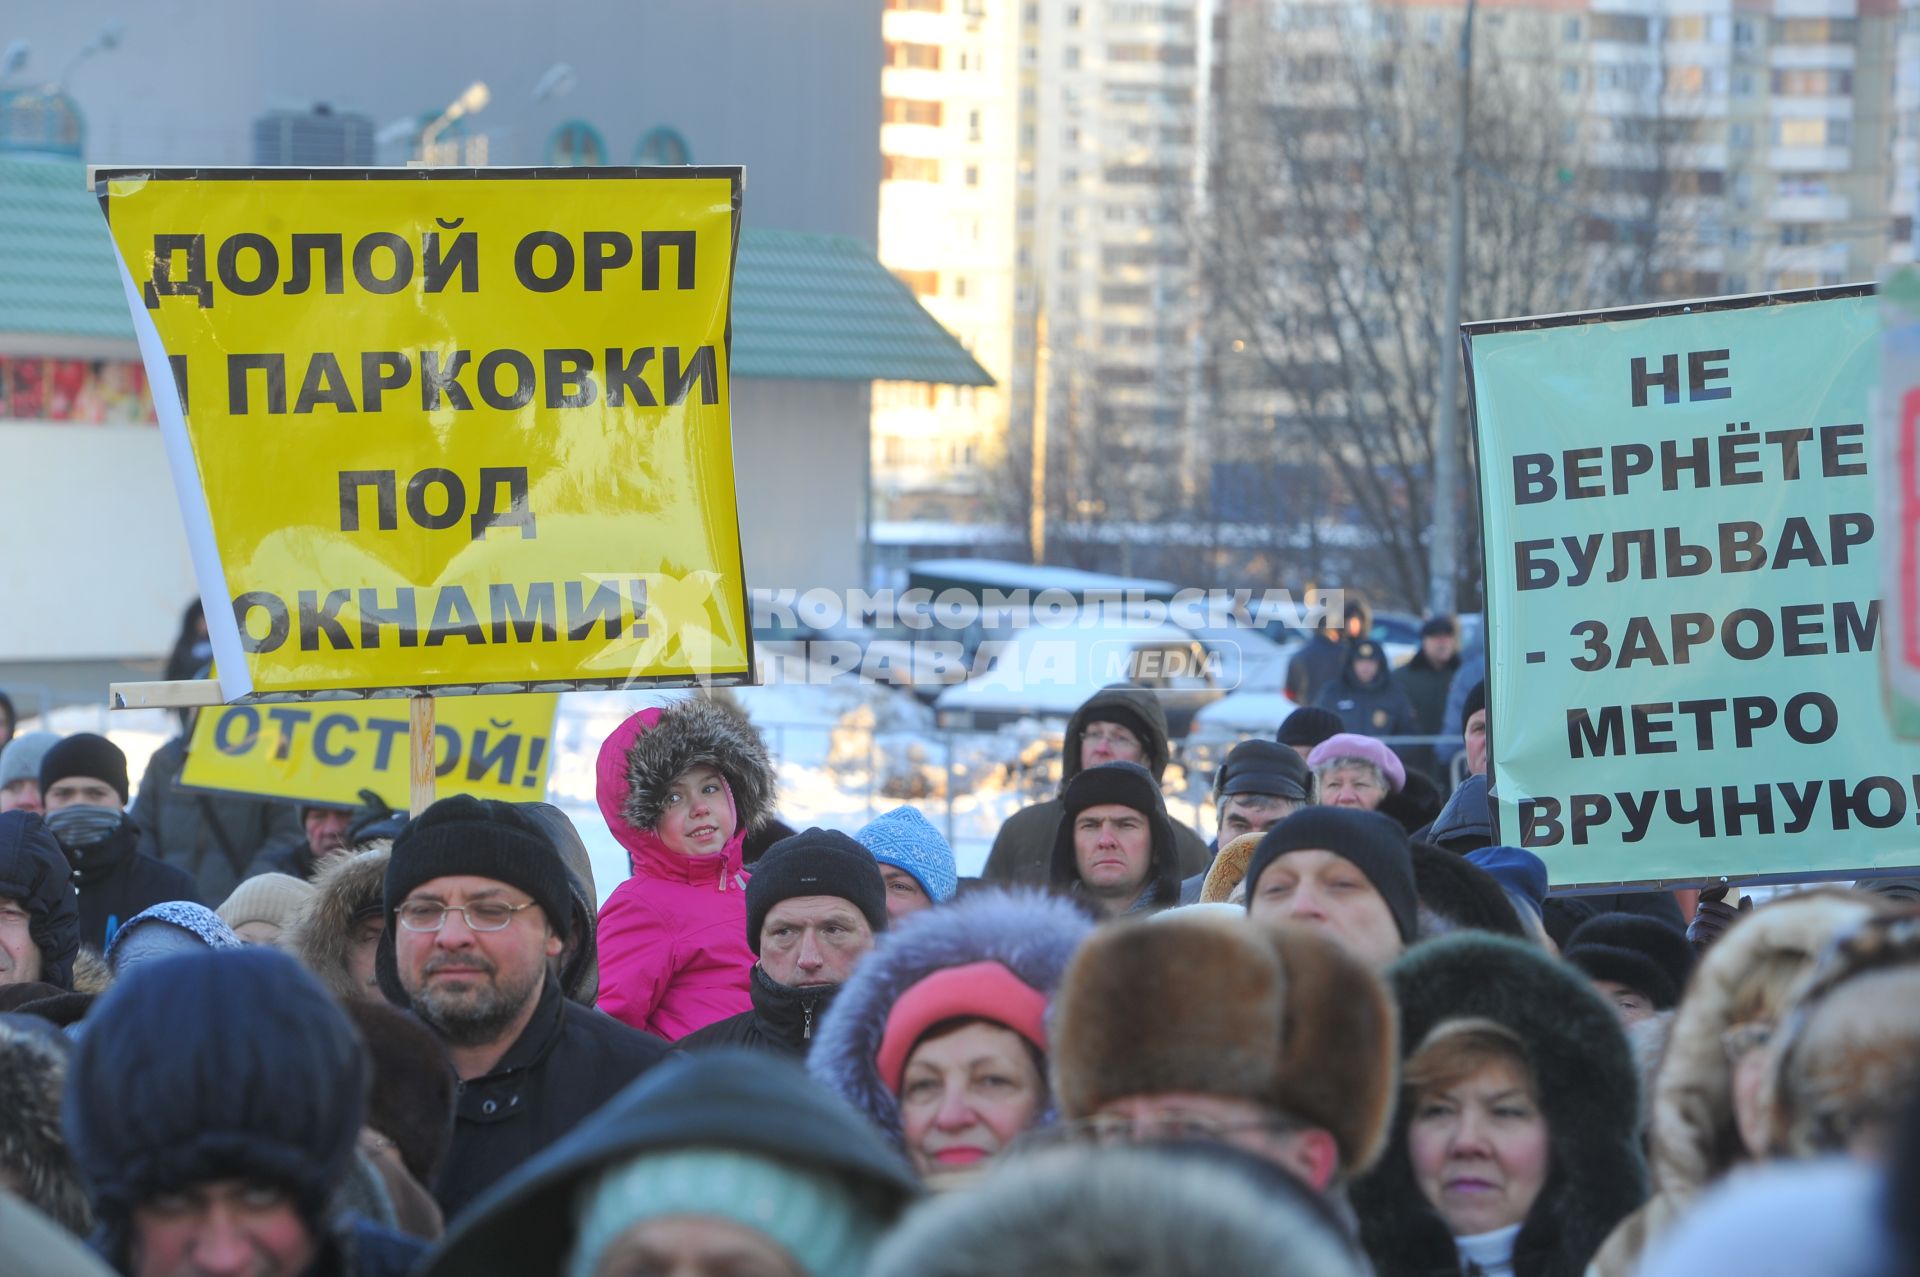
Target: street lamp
(472,101)
(109,38)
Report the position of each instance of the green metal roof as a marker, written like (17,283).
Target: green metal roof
(810,307)
(56,262)
(823,307)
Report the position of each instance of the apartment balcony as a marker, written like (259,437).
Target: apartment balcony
(1817,258)
(1809,208)
(1800,57)
(1832,107)
(1810,159)
(1816,8)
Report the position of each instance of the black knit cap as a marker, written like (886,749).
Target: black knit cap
(1435,626)
(480,838)
(1374,844)
(211,1065)
(1309,725)
(1641,952)
(1264,767)
(819,862)
(85,754)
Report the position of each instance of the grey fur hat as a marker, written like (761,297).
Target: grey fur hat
(34,1158)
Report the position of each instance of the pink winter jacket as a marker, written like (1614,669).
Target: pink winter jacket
(673,937)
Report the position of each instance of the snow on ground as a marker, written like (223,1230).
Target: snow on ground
(844,752)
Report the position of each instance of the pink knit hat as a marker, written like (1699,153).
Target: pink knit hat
(981,990)
(1367,750)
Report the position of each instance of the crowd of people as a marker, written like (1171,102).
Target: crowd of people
(1347,1035)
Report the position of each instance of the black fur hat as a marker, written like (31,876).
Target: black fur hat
(1588,1091)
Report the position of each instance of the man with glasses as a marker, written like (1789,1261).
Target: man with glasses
(477,908)
(1202,1027)
(1117,724)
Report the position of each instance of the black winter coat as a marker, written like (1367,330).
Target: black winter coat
(115,882)
(783,1019)
(212,837)
(34,871)
(1426,685)
(568,1061)
(1317,663)
(1378,707)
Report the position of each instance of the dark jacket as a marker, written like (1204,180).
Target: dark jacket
(568,1061)
(1589,1096)
(1466,823)
(1426,685)
(1378,707)
(1317,664)
(1022,852)
(745,1100)
(115,882)
(212,837)
(1161,889)
(291,855)
(34,872)
(783,1019)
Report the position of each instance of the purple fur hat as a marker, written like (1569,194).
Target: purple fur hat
(1032,934)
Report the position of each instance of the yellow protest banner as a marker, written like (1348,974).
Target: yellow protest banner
(447,430)
(487,746)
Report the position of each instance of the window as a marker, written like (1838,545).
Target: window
(1811,83)
(1070,57)
(576,143)
(1810,131)
(662,146)
(972,176)
(1740,134)
(973,126)
(909,168)
(1688,27)
(1743,33)
(1626,28)
(1815,30)
(910,111)
(918,57)
(959,285)
(1796,235)
(924,283)
(1570,80)
(917,6)
(1743,84)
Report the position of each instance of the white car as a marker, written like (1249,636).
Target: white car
(1049,672)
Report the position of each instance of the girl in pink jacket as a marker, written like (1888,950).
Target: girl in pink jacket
(680,788)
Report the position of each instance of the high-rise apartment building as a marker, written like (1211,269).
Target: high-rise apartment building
(1038,163)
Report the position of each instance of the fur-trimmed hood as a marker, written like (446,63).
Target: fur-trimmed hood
(1589,1096)
(1694,1138)
(345,890)
(640,760)
(1030,934)
(33,1149)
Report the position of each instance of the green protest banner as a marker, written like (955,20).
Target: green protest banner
(1683,581)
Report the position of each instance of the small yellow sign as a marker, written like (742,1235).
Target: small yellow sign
(487,746)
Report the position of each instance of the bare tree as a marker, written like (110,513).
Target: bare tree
(1324,243)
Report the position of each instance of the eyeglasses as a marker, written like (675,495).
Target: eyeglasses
(484,915)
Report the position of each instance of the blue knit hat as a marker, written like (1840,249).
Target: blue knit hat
(907,840)
(817,1217)
(188,927)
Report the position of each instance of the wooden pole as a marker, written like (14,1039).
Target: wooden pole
(420,748)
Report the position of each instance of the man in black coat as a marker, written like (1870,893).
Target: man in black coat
(477,907)
(83,787)
(814,905)
(211,837)
(39,914)
(213,1106)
